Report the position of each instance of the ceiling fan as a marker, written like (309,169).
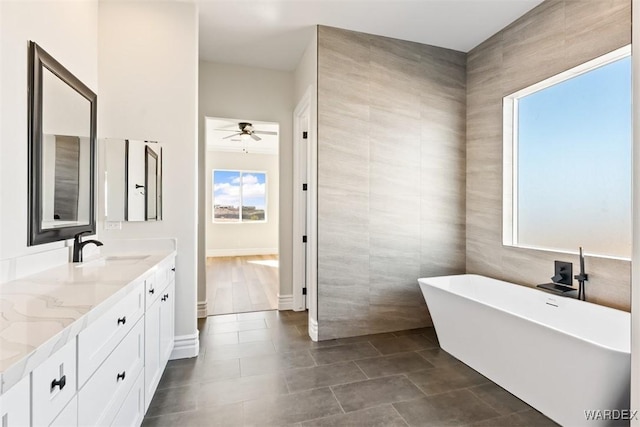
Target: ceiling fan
(247,131)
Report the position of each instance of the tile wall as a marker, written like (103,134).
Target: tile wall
(391,178)
(553,37)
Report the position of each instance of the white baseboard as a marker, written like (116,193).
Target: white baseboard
(185,346)
(285,302)
(202,309)
(241,252)
(313,329)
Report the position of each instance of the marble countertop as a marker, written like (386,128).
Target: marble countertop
(41,313)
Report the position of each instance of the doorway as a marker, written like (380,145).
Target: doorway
(242,175)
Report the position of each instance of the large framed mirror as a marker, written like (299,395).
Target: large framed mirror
(62,146)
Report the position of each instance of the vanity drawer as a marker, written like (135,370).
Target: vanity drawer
(53,384)
(103,395)
(97,341)
(152,289)
(166,272)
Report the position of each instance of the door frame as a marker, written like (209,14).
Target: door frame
(305,166)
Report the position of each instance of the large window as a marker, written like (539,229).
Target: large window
(567,161)
(239,196)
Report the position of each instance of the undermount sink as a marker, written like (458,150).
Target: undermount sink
(112,259)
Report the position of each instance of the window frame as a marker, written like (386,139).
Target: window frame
(510,148)
(240,220)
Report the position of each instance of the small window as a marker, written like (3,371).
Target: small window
(239,196)
(567,160)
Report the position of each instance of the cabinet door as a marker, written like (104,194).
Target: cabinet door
(152,371)
(14,405)
(69,415)
(132,411)
(54,384)
(167,319)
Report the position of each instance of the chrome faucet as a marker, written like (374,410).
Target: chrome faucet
(78,245)
(581,278)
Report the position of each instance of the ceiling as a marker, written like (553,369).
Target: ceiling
(274,33)
(217,129)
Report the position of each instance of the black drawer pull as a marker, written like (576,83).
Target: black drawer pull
(165,297)
(151,291)
(122,320)
(121,376)
(173,269)
(59,383)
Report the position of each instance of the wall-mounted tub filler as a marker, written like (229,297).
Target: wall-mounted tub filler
(562,280)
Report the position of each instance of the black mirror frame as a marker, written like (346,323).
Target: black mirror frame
(149,153)
(38,59)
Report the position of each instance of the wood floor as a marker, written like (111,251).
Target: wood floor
(241,284)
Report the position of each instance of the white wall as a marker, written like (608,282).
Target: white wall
(306,73)
(264,95)
(244,238)
(148,70)
(68,30)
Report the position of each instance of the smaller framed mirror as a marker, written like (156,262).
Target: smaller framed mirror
(62,146)
(133,179)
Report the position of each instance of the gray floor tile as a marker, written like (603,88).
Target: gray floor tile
(369,393)
(364,338)
(291,408)
(222,318)
(260,365)
(447,409)
(220,328)
(253,315)
(215,340)
(255,335)
(343,353)
(440,380)
(393,364)
(235,351)
(438,357)
(403,343)
(217,370)
(531,418)
(380,416)
(240,389)
(499,399)
(173,400)
(419,331)
(322,376)
(218,416)
(265,361)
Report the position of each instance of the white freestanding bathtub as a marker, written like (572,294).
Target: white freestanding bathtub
(560,355)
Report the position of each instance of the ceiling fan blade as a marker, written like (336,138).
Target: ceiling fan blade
(265,132)
(231,136)
(255,137)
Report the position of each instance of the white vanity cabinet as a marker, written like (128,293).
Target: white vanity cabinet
(14,405)
(106,373)
(159,327)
